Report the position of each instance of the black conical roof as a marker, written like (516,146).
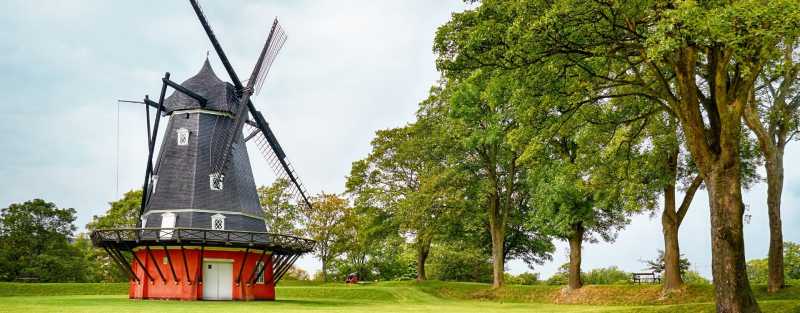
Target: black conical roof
(220,94)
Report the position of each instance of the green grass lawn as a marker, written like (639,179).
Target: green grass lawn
(438,297)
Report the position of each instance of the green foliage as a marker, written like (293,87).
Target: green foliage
(599,276)
(280,213)
(522,279)
(460,263)
(606,276)
(791,260)
(694,278)
(758,269)
(123,213)
(34,244)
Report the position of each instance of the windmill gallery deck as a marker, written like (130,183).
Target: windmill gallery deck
(201,233)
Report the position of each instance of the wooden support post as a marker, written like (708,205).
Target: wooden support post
(144,268)
(169,260)
(286,268)
(253,276)
(155,264)
(200,264)
(186,266)
(241,268)
(122,264)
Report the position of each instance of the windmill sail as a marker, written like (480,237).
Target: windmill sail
(274,43)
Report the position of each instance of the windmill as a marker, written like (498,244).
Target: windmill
(200,213)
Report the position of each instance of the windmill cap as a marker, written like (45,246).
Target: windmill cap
(221,95)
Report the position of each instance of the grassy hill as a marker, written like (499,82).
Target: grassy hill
(434,296)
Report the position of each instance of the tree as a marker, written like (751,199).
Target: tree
(34,243)
(388,184)
(772,115)
(281,214)
(698,61)
(659,264)
(571,203)
(323,222)
(483,118)
(123,213)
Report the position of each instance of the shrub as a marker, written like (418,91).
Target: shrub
(459,264)
(606,276)
(522,279)
(694,278)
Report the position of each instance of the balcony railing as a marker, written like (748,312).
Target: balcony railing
(132,237)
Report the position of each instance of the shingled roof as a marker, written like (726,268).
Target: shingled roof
(183,170)
(221,95)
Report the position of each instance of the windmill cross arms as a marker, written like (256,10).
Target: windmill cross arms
(186,91)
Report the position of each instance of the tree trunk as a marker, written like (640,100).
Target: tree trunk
(732,287)
(324,271)
(498,266)
(575,243)
(774,168)
(423,249)
(670,222)
(672,252)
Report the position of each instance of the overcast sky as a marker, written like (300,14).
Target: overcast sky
(349,68)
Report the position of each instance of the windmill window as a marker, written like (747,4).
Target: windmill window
(154,182)
(167,224)
(218,222)
(215,180)
(183,136)
(260,269)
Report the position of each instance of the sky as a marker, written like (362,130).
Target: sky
(348,69)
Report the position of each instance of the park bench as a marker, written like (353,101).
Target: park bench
(645,278)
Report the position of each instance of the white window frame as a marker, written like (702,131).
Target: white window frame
(144,221)
(217,218)
(167,224)
(216,176)
(259,266)
(183,136)
(154,183)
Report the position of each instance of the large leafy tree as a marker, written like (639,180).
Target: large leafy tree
(484,120)
(699,61)
(772,115)
(408,182)
(34,243)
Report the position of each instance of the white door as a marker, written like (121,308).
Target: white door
(217,280)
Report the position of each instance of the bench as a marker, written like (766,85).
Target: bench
(645,278)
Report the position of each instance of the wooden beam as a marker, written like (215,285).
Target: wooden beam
(158,268)
(169,260)
(186,266)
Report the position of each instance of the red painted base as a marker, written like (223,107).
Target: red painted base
(183,281)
